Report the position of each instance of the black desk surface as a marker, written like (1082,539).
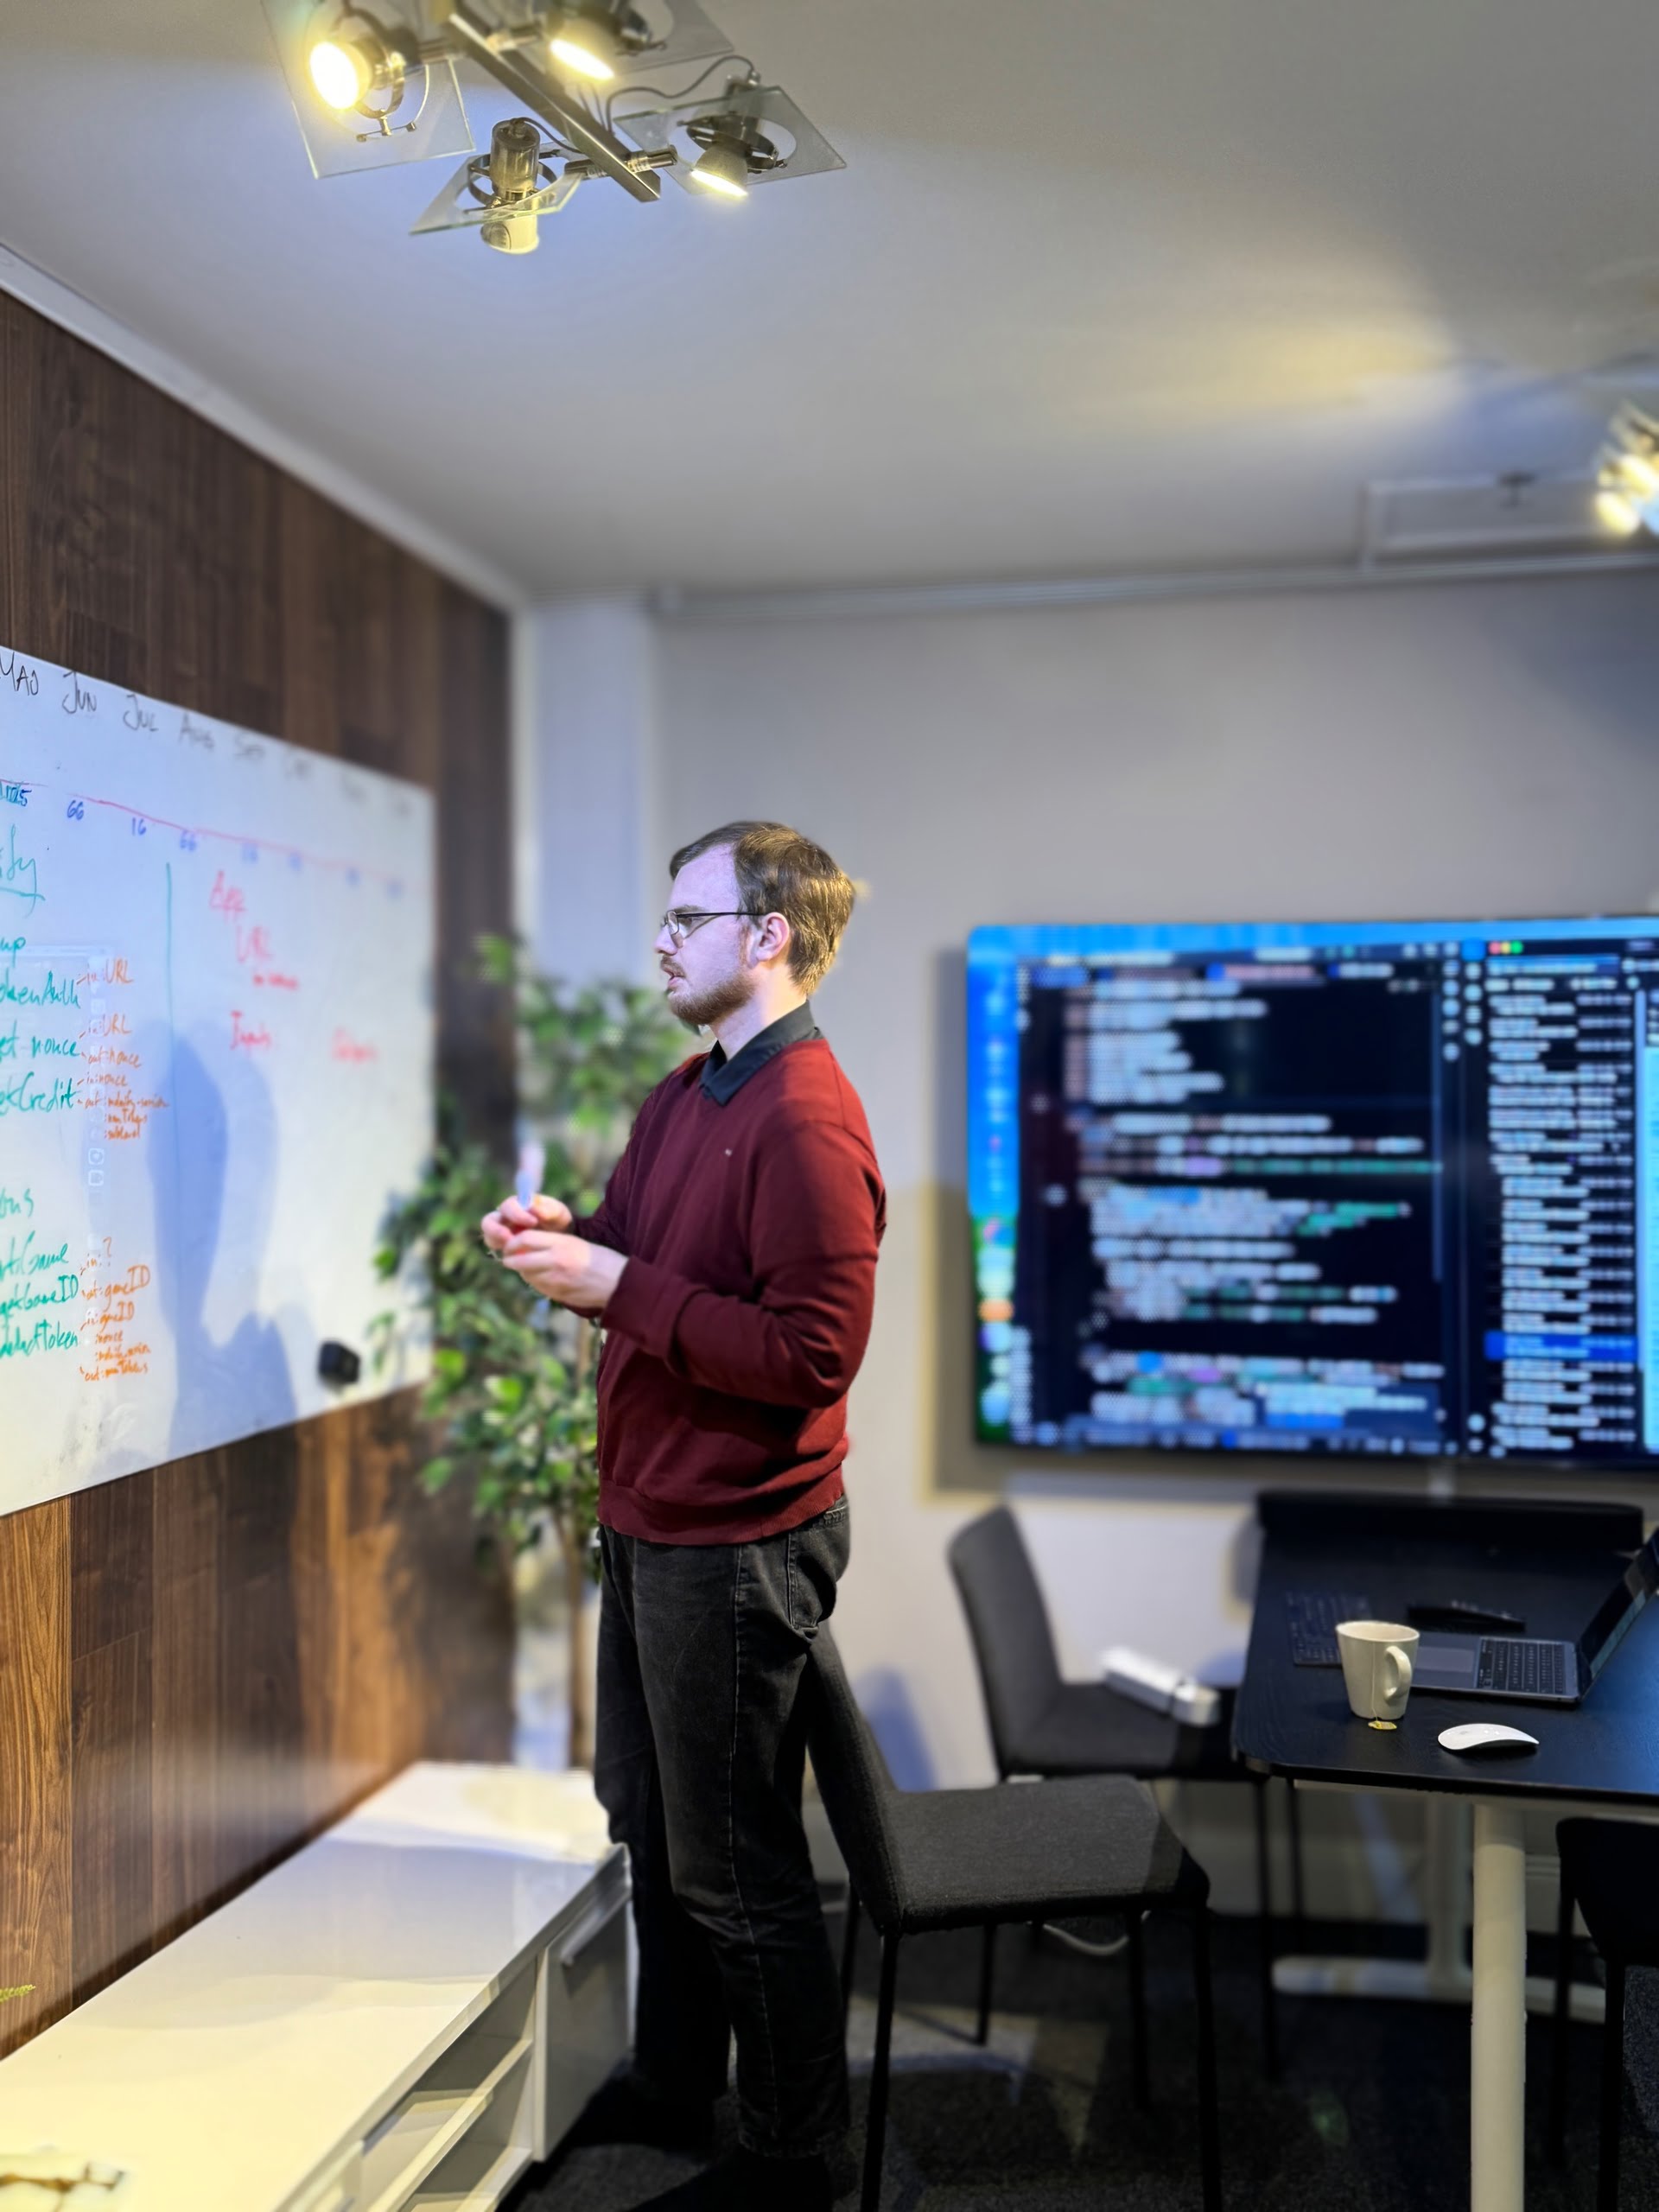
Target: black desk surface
(1295,1720)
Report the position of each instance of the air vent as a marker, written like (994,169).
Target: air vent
(1476,517)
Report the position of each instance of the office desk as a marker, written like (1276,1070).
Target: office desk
(1295,1721)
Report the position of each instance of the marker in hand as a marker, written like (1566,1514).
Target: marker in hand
(532,1158)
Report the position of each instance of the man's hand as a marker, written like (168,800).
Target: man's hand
(567,1269)
(510,1219)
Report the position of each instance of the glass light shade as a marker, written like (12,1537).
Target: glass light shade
(468,202)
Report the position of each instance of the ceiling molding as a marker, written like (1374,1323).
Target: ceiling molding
(59,304)
(673,605)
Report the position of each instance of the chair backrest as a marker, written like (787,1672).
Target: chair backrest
(1641,2042)
(1013,1643)
(854,1782)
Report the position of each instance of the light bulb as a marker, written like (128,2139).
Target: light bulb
(1617,513)
(586,47)
(339,73)
(723,169)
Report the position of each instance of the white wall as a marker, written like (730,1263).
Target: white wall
(1480,749)
(586,866)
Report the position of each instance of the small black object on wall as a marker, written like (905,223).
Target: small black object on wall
(338,1362)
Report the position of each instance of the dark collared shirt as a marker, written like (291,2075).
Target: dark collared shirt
(722,1078)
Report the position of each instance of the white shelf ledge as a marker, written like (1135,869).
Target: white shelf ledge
(385,2017)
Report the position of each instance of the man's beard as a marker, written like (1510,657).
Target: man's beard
(701,1009)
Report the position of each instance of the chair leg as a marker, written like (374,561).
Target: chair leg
(1138,2011)
(1555,2139)
(986,1968)
(1264,1908)
(877,2126)
(1297,1900)
(848,1954)
(1209,2117)
(1612,2088)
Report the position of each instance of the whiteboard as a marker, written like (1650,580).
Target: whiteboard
(216,1071)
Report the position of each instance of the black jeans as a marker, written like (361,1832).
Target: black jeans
(701,1745)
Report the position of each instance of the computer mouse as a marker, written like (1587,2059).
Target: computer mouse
(1486,1736)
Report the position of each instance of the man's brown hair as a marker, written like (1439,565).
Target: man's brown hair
(780,871)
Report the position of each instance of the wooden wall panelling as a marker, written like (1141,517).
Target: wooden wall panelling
(477,1055)
(111,1622)
(37,1800)
(184,1783)
(202,1665)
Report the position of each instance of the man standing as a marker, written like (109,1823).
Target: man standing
(734,1263)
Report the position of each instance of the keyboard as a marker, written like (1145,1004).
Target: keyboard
(1521,1666)
(1312,1617)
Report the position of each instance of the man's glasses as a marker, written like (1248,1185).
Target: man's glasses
(680,922)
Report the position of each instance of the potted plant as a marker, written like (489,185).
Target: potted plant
(512,1401)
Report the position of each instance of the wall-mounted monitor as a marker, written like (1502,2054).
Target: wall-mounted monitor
(1378,1188)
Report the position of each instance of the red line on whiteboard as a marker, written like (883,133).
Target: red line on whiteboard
(230,837)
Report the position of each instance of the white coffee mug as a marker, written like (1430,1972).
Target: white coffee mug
(1376,1658)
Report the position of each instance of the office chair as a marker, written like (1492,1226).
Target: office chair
(1609,1872)
(1042,1725)
(929,1859)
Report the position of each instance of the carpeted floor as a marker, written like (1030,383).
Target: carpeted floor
(1372,2114)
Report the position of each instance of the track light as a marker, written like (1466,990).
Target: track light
(370,90)
(723,168)
(374,83)
(734,149)
(1615,513)
(512,225)
(342,74)
(1627,473)
(503,194)
(359,67)
(748,134)
(586,43)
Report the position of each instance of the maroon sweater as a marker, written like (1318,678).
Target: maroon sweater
(733,1336)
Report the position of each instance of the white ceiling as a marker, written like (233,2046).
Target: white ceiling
(1106,285)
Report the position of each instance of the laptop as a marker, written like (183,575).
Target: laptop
(1534,1668)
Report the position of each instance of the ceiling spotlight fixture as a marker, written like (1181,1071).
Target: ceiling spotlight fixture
(722,169)
(1616,513)
(360,68)
(517,173)
(734,149)
(369,92)
(1627,473)
(585,40)
(342,74)
(503,194)
(748,134)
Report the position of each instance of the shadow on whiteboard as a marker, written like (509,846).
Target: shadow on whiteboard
(216,1188)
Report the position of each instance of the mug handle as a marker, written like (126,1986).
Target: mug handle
(1394,1698)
